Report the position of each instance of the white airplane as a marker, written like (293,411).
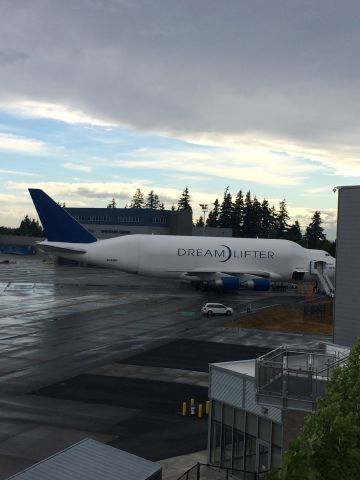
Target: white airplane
(214,262)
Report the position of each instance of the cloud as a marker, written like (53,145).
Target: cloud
(13,143)
(304,216)
(53,111)
(9,57)
(15,172)
(228,157)
(78,166)
(282,70)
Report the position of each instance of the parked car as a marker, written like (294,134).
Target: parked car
(210,309)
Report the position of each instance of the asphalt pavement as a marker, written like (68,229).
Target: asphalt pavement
(89,352)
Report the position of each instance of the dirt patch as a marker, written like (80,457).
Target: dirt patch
(311,318)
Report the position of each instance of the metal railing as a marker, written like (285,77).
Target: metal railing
(205,471)
(293,374)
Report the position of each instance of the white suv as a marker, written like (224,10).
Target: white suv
(210,309)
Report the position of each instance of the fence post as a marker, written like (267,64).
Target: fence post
(198,471)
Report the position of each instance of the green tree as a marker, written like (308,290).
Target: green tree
(257,218)
(112,203)
(249,224)
(199,222)
(184,201)
(281,222)
(153,202)
(314,233)
(294,233)
(30,228)
(213,217)
(226,210)
(138,200)
(266,220)
(238,215)
(273,225)
(329,446)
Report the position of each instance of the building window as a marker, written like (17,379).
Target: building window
(251,424)
(215,442)
(277,434)
(250,453)
(263,457)
(226,446)
(228,415)
(238,451)
(216,410)
(276,460)
(264,429)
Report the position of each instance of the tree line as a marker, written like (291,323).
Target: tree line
(247,217)
(250,218)
(29,227)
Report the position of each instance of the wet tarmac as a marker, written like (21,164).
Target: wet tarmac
(96,334)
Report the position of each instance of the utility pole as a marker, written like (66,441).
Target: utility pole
(204,208)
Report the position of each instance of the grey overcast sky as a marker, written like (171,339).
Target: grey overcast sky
(116,94)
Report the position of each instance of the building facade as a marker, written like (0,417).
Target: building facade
(347,299)
(114,222)
(243,435)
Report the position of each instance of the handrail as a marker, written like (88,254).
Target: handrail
(196,469)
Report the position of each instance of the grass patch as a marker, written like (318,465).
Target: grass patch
(315,319)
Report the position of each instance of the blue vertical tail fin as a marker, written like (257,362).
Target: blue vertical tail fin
(58,224)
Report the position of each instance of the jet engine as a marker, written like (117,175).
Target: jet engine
(259,284)
(235,283)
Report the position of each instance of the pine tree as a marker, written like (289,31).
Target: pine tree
(184,201)
(248,226)
(281,224)
(273,224)
(226,210)
(199,222)
(213,217)
(30,228)
(257,217)
(238,215)
(266,220)
(314,233)
(138,200)
(112,203)
(294,233)
(153,201)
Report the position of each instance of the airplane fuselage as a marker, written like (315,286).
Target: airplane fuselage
(173,256)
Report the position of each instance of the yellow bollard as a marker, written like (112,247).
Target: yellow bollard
(207,406)
(183,411)
(200,409)
(192,406)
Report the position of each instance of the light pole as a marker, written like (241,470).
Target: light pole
(204,208)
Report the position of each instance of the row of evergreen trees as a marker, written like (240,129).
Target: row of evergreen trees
(29,227)
(248,218)
(138,201)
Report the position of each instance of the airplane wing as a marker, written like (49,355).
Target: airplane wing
(59,249)
(210,273)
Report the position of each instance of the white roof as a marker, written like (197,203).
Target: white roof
(90,460)
(245,367)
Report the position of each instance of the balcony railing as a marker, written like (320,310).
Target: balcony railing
(291,377)
(204,471)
